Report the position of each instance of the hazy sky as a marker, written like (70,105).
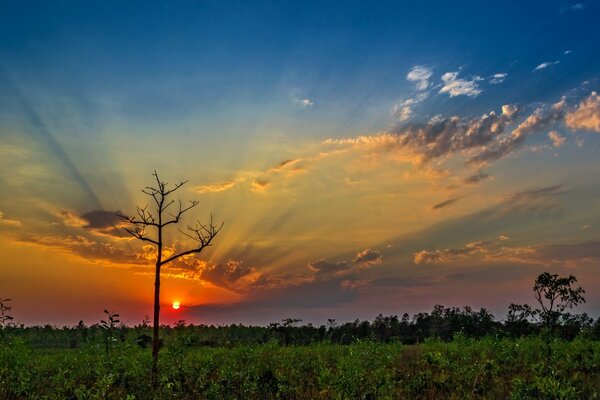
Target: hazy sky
(365,157)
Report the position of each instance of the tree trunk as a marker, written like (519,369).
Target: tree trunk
(155,337)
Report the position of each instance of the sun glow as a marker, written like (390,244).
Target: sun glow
(176,305)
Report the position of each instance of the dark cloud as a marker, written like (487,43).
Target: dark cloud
(100,219)
(88,249)
(445,203)
(476,178)
(324,267)
(227,274)
(541,119)
(368,257)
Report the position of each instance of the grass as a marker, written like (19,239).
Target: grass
(528,368)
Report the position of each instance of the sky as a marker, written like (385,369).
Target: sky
(364,157)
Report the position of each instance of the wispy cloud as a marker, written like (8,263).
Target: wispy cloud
(498,78)
(8,221)
(404,109)
(445,203)
(455,86)
(545,65)
(420,74)
(216,187)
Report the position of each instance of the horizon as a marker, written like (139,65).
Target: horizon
(364,160)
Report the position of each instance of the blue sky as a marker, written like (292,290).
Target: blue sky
(346,144)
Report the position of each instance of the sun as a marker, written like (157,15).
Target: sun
(176,305)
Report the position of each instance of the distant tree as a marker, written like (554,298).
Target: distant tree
(554,295)
(158,219)
(5,317)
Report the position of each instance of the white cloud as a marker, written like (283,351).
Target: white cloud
(455,86)
(545,65)
(403,110)
(498,78)
(420,74)
(567,52)
(306,103)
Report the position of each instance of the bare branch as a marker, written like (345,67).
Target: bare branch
(177,217)
(140,233)
(202,234)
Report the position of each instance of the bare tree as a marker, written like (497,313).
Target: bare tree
(149,226)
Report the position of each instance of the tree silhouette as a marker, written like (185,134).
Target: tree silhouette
(555,295)
(156,220)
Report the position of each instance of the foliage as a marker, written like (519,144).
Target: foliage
(555,295)
(462,368)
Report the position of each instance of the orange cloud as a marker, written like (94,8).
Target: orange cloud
(586,115)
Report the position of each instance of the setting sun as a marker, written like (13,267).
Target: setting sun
(176,305)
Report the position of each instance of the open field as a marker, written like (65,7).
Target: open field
(488,368)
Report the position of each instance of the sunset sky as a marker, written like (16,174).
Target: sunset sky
(365,157)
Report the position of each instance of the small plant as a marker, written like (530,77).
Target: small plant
(109,326)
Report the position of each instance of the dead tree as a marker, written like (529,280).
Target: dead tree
(149,226)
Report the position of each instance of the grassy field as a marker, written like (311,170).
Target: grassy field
(489,368)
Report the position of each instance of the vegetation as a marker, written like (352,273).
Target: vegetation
(453,353)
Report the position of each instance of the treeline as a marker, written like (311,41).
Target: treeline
(441,323)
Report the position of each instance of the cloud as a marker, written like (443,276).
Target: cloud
(217,187)
(97,221)
(577,7)
(586,115)
(368,258)
(325,268)
(8,221)
(225,275)
(305,103)
(455,86)
(260,184)
(403,109)
(420,74)
(542,118)
(439,137)
(570,255)
(498,78)
(444,203)
(545,65)
(557,140)
(476,178)
(443,256)
(87,249)
(563,254)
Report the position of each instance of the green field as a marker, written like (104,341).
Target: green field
(463,368)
